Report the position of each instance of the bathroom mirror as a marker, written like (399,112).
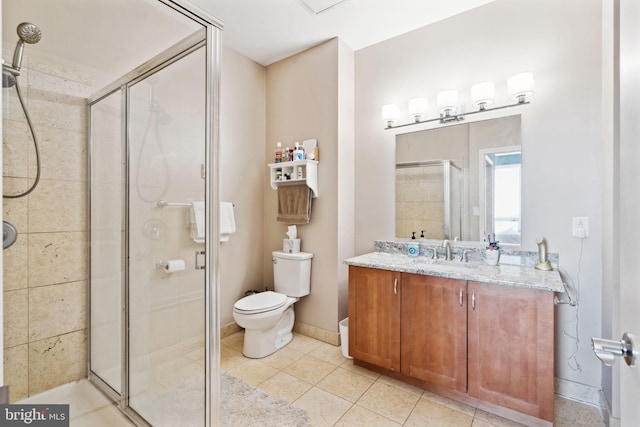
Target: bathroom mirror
(461,181)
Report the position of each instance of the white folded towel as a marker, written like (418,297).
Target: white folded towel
(227,221)
(197,222)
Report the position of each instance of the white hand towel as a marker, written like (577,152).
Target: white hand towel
(227,221)
(197,222)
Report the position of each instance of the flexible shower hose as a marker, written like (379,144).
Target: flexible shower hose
(35,144)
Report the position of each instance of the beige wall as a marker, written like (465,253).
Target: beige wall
(309,95)
(243,176)
(560,42)
(45,275)
(345,171)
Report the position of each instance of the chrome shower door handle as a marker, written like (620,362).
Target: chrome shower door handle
(198,265)
(607,350)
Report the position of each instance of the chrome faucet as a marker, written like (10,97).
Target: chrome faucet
(447,246)
(464,256)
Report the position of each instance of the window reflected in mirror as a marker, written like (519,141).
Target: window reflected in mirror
(502,199)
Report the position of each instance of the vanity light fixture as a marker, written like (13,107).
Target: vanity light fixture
(390,114)
(519,89)
(418,109)
(448,103)
(483,94)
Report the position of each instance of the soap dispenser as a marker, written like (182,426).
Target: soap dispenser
(413,248)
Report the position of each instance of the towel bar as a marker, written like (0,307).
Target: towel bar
(165,204)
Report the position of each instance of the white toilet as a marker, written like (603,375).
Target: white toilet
(268,317)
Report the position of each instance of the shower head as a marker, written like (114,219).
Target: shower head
(28,33)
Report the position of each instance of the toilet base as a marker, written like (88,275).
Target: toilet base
(259,343)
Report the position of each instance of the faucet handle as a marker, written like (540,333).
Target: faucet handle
(463,256)
(435,253)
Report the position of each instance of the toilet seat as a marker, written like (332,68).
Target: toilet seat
(260,302)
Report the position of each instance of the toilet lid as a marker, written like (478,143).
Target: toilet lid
(263,301)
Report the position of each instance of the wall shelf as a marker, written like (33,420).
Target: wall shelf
(307,169)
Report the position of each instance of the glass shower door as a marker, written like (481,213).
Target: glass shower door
(166,279)
(107,241)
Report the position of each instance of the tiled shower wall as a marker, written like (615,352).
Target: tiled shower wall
(45,271)
(420,202)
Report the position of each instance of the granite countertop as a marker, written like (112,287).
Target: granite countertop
(520,276)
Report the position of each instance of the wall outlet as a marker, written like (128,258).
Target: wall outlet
(580,227)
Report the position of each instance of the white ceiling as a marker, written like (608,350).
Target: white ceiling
(114,36)
(269,30)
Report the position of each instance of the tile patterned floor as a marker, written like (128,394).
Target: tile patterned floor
(314,376)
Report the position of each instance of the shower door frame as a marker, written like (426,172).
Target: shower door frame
(210,39)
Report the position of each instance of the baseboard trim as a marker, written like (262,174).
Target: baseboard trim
(320,334)
(582,393)
(230,329)
(329,337)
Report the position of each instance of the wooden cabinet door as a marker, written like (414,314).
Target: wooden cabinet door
(434,330)
(374,316)
(510,342)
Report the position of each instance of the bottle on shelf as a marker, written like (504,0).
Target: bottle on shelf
(298,153)
(278,152)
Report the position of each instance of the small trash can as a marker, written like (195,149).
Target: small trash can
(344,337)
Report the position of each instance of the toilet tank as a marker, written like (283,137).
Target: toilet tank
(292,273)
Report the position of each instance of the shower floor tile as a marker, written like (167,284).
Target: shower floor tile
(87,405)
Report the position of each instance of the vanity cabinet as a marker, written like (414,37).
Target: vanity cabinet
(374,316)
(490,342)
(510,355)
(433,330)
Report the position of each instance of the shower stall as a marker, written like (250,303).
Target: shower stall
(138,237)
(152,282)
(429,199)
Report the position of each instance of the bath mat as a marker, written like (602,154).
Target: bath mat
(245,405)
(241,405)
